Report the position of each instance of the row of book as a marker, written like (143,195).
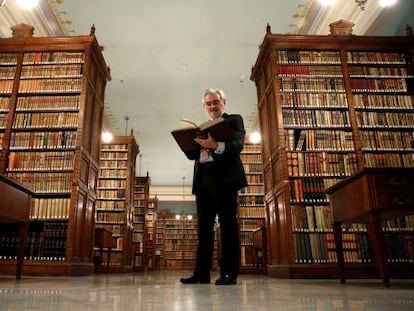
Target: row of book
(64,85)
(139,226)
(319,140)
(380,72)
(7,72)
(251,212)
(114,147)
(114,155)
(313,84)
(110,205)
(246,238)
(110,218)
(250,224)
(40,161)
(113,172)
(286,70)
(253,168)
(316,118)
(111,194)
(321,163)
(251,157)
(170,246)
(252,148)
(52,57)
(8,58)
(43,140)
(3,120)
(52,71)
(44,241)
(55,182)
(6,86)
(383,101)
(254,179)
(50,208)
(379,85)
(399,224)
(314,100)
(179,255)
(251,200)
(119,163)
(252,189)
(46,120)
(320,248)
(374,57)
(389,159)
(4,104)
(308,57)
(387,140)
(310,189)
(312,218)
(381,119)
(47,102)
(111,183)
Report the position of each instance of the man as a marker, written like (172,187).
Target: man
(218,175)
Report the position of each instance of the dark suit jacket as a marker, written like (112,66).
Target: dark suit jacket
(227,166)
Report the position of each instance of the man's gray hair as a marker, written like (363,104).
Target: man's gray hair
(219,92)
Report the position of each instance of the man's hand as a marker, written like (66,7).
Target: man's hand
(208,143)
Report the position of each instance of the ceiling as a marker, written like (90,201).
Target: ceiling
(162,54)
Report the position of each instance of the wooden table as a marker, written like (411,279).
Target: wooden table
(15,203)
(368,197)
(103,238)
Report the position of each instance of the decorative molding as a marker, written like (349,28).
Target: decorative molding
(61,16)
(300,16)
(319,17)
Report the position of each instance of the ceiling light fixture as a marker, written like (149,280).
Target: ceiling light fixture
(27,4)
(361,3)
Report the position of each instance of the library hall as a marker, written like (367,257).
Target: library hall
(207,155)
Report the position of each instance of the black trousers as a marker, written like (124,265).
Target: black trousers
(215,199)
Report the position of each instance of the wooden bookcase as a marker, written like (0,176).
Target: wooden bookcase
(115,200)
(141,196)
(251,211)
(51,104)
(177,240)
(330,106)
(150,234)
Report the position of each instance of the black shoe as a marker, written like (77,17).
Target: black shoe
(226,280)
(195,279)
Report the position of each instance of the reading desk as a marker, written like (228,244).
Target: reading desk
(371,196)
(15,208)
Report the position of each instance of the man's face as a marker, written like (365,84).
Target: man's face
(213,105)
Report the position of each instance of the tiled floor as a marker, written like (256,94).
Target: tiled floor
(161,290)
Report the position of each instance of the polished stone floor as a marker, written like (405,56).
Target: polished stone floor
(161,290)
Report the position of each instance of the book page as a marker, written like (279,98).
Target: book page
(187,123)
(210,123)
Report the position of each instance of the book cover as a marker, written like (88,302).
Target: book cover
(218,128)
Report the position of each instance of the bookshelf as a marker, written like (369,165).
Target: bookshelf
(51,104)
(115,199)
(141,195)
(177,240)
(251,210)
(150,234)
(330,106)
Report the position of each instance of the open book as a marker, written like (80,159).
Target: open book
(218,128)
